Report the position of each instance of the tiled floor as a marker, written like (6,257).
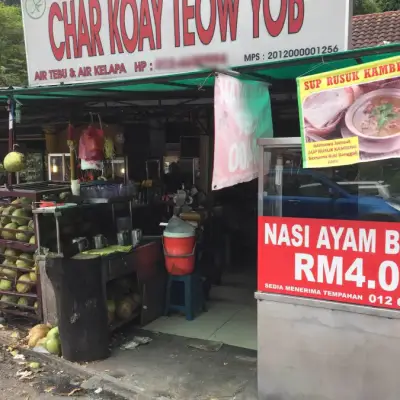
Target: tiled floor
(231,317)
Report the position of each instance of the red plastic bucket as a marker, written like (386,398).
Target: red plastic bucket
(179,252)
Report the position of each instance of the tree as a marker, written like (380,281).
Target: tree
(12,49)
(389,5)
(16,3)
(366,7)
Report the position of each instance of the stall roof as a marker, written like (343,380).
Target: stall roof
(189,83)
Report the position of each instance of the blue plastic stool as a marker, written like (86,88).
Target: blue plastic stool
(194,301)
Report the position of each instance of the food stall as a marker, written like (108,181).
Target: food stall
(68,218)
(105,227)
(328,241)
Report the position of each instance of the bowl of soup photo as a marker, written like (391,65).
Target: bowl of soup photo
(375,116)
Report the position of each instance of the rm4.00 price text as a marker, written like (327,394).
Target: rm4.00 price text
(333,271)
(304,52)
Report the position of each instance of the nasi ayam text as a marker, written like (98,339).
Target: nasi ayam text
(335,255)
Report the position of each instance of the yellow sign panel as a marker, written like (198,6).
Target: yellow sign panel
(329,153)
(351,115)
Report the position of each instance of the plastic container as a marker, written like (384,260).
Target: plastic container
(179,247)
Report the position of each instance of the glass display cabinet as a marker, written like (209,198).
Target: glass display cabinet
(58,166)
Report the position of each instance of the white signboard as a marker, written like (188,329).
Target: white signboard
(96,40)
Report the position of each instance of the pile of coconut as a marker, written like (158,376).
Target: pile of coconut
(45,336)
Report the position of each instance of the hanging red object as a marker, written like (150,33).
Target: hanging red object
(70,133)
(91,144)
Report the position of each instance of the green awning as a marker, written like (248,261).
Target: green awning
(185,84)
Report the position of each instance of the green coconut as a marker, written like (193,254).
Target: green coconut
(32,240)
(28,257)
(35,269)
(11,253)
(14,162)
(9,298)
(9,273)
(23,264)
(9,235)
(5,284)
(32,276)
(19,216)
(6,215)
(31,225)
(9,262)
(53,346)
(53,333)
(23,236)
(24,301)
(21,286)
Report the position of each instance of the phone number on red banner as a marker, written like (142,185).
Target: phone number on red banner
(352,262)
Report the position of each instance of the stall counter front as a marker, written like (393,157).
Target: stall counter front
(328,280)
(143,265)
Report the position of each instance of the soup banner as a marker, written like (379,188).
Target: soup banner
(350,115)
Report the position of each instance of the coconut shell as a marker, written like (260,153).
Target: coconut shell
(125,309)
(39,328)
(40,333)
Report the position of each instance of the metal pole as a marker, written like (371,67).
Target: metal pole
(56,215)
(261,173)
(11,132)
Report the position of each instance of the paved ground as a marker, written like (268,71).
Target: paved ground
(11,387)
(167,368)
(45,384)
(173,367)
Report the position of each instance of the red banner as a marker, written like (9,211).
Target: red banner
(345,261)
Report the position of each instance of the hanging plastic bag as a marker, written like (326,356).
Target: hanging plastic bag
(91,143)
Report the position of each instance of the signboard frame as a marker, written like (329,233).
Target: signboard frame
(358,268)
(330,104)
(239,37)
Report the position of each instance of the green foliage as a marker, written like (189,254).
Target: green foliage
(389,5)
(16,3)
(366,7)
(374,6)
(12,49)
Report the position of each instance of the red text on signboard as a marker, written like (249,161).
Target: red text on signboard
(346,261)
(82,22)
